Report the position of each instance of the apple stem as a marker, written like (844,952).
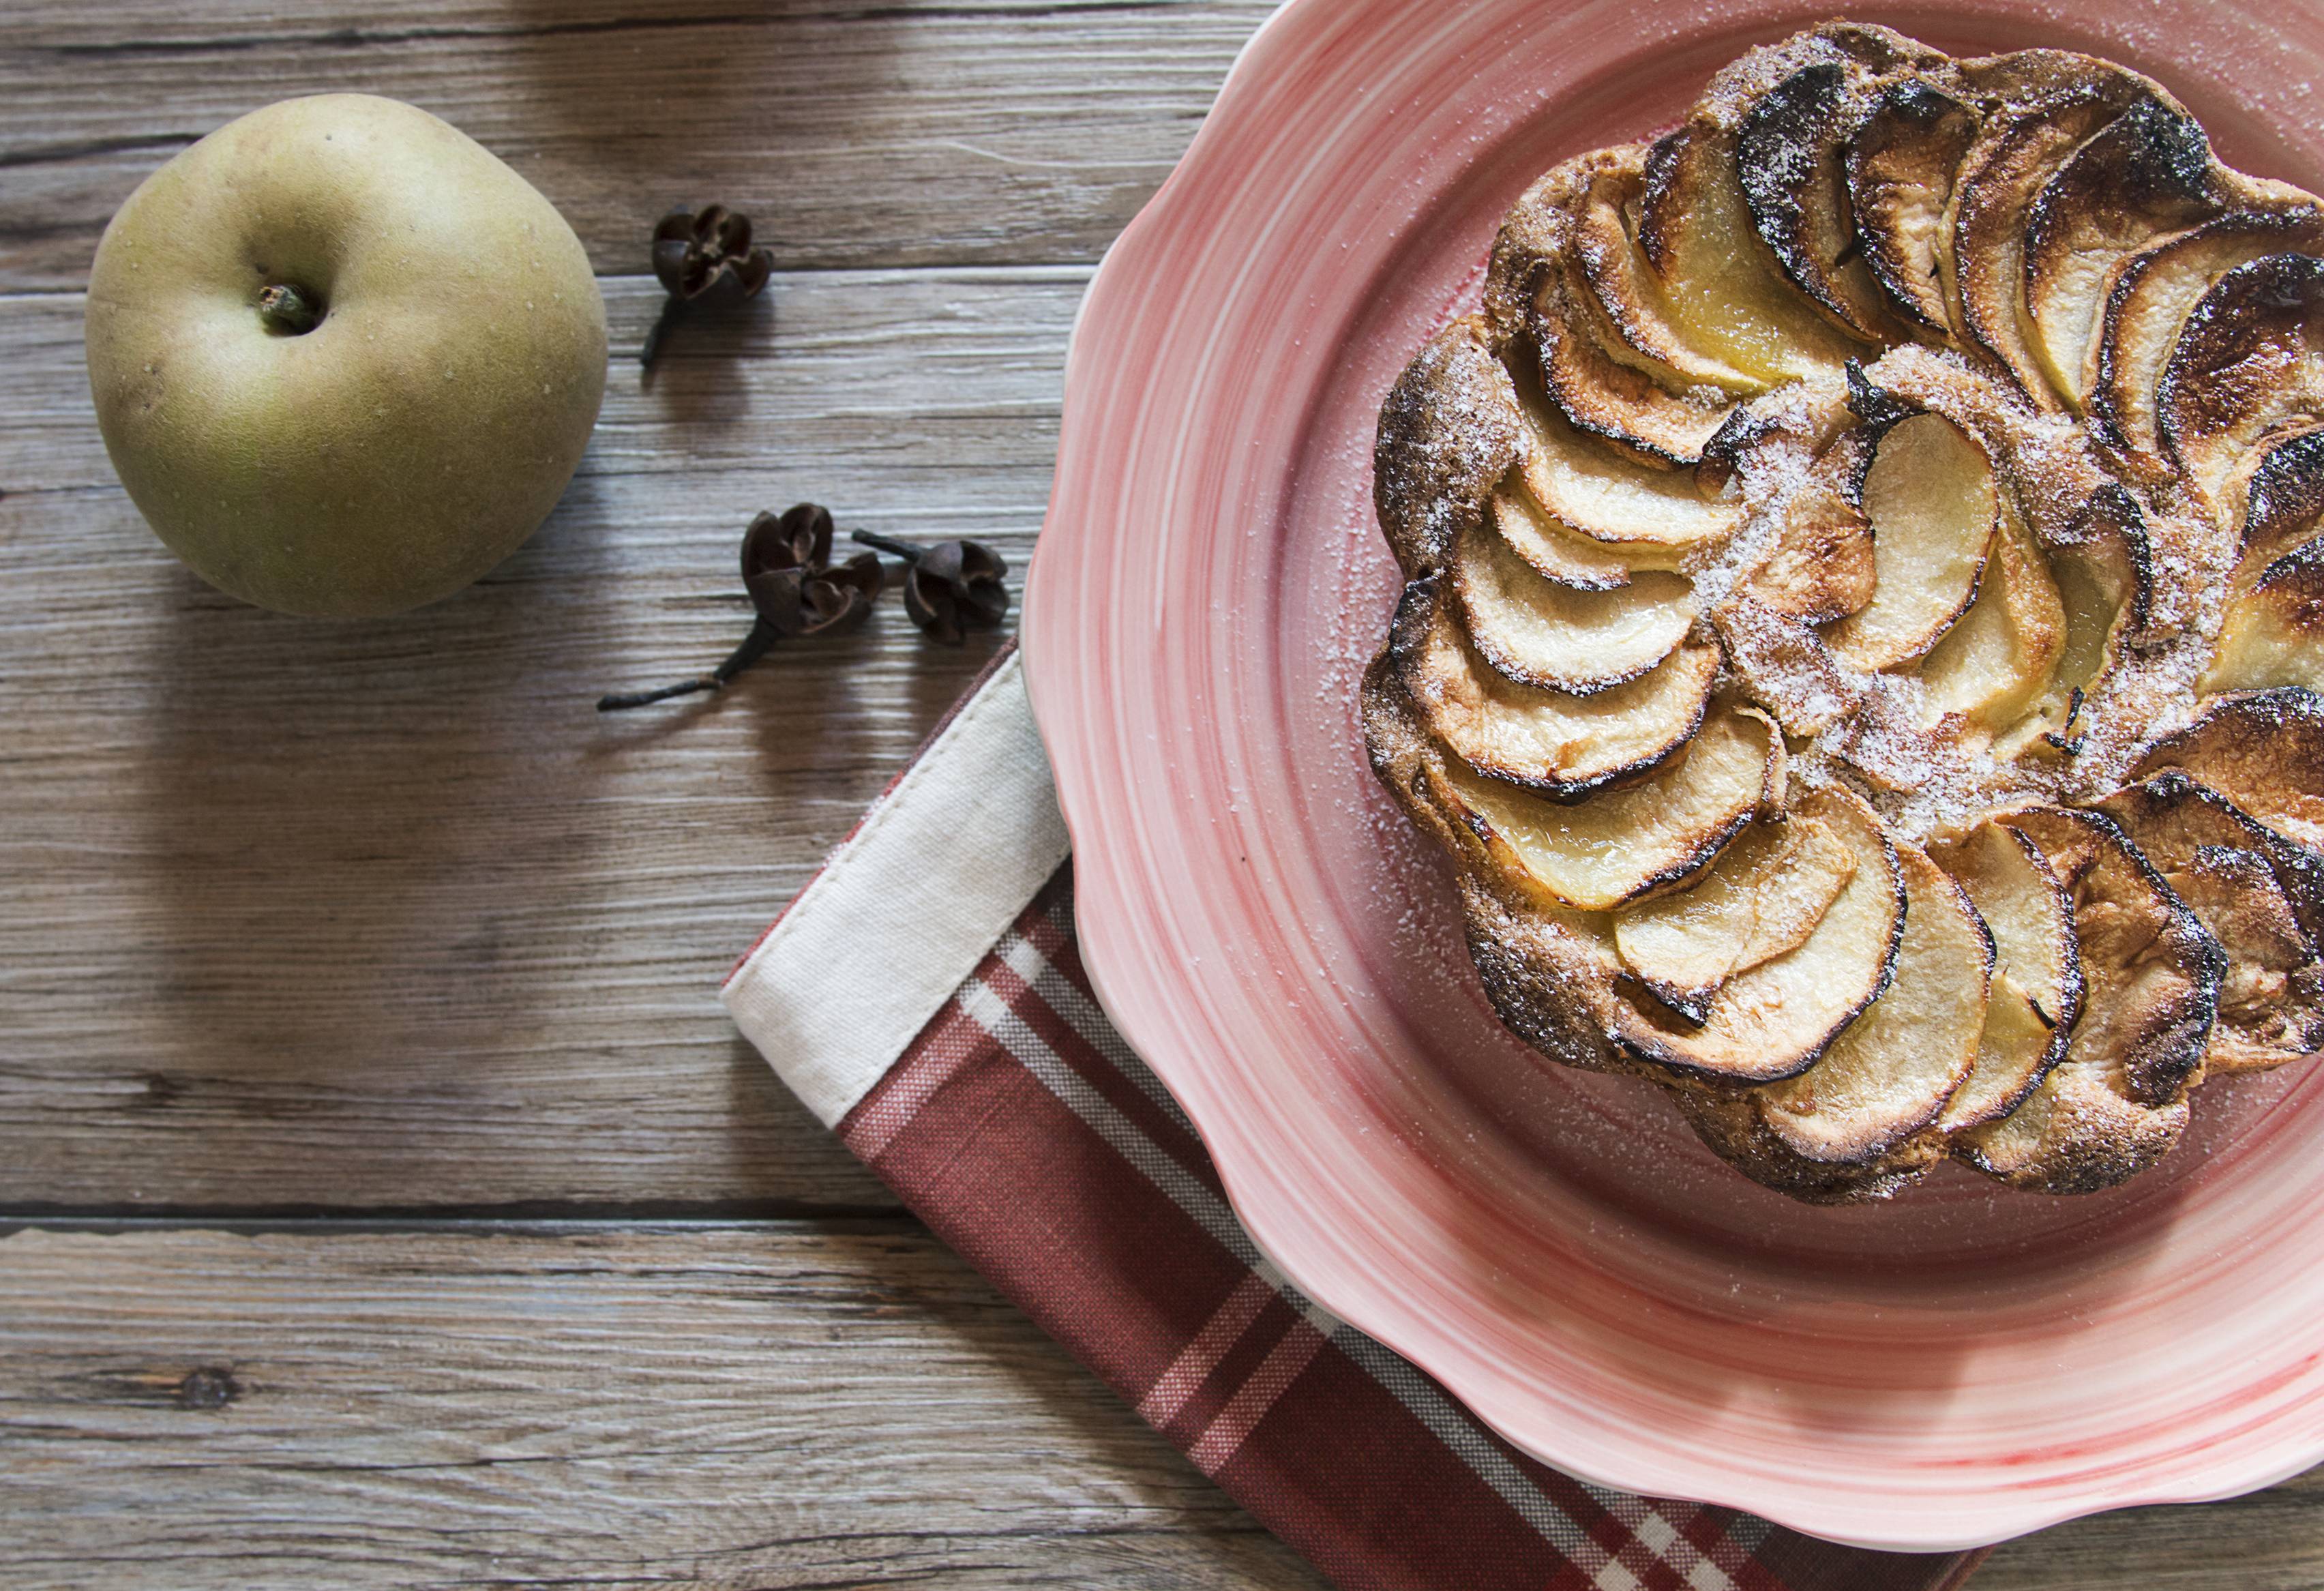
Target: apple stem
(754,647)
(286,311)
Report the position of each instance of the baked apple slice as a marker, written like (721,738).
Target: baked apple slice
(1932,503)
(1619,402)
(2105,577)
(1893,1071)
(2264,751)
(2149,172)
(1820,565)
(2259,897)
(1532,293)
(1623,844)
(2036,993)
(1563,746)
(1624,307)
(1900,160)
(1790,158)
(2272,998)
(2251,353)
(1761,899)
(2019,149)
(2115,1102)
(1589,490)
(2016,1046)
(2274,632)
(2148,300)
(2172,814)
(1450,428)
(1537,631)
(1776,1019)
(2026,907)
(2278,497)
(1559,556)
(1695,233)
(2000,659)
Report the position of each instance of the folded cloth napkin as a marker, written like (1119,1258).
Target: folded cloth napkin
(969,1065)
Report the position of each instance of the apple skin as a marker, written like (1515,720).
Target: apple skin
(419,431)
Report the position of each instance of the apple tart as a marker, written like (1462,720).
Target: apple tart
(1864,612)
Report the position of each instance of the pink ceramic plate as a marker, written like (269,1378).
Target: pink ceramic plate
(1951,1369)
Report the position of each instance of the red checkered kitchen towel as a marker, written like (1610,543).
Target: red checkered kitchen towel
(971,1068)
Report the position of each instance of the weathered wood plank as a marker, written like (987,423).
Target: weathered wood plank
(714,1407)
(773,1406)
(302,915)
(2272,1540)
(924,133)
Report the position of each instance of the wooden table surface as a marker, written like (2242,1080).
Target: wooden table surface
(387,1200)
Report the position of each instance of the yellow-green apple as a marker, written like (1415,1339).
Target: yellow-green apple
(343,358)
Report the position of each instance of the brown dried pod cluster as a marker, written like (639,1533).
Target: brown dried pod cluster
(795,591)
(704,254)
(950,589)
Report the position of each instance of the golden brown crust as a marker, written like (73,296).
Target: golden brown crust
(1450,430)
(1696,485)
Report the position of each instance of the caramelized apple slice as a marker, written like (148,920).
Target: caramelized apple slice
(2171,813)
(1820,564)
(1895,1068)
(2278,495)
(1776,1020)
(1559,556)
(1626,311)
(2148,300)
(1531,287)
(1563,746)
(1931,498)
(2251,353)
(1790,157)
(2105,580)
(1537,632)
(2264,751)
(1624,844)
(1696,226)
(2272,998)
(1999,660)
(1695,232)
(2150,969)
(1613,401)
(2149,172)
(1901,159)
(1590,491)
(1450,430)
(2019,149)
(2115,1102)
(2027,909)
(2016,1045)
(2261,898)
(1761,899)
(2273,634)
(2075,1132)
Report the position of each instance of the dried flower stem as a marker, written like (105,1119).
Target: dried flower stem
(754,647)
(888,545)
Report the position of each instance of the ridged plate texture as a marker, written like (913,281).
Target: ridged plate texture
(1957,1367)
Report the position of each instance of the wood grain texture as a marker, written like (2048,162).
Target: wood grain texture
(298,915)
(700,1407)
(923,133)
(375,918)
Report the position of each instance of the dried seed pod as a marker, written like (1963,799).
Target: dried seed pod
(786,569)
(697,252)
(794,590)
(952,587)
